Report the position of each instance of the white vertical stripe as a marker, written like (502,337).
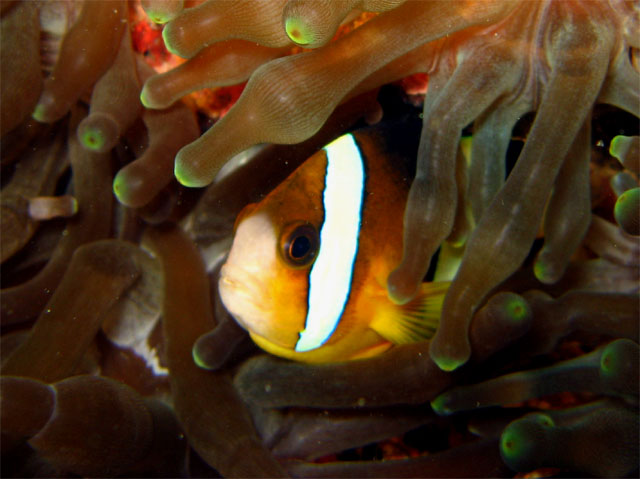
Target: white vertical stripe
(330,277)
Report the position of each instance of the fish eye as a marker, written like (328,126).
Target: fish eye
(299,244)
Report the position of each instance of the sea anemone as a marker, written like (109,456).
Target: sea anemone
(118,358)
(489,62)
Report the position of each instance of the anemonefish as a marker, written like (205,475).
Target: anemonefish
(307,272)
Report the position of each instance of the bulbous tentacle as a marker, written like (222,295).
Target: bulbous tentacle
(286,100)
(568,213)
(487,172)
(214,21)
(526,443)
(607,370)
(140,181)
(429,215)
(271,382)
(87,51)
(162,11)
(225,434)
(72,318)
(225,63)
(312,23)
(502,239)
(92,190)
(37,176)
(114,102)
(20,67)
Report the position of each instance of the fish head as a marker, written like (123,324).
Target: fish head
(265,280)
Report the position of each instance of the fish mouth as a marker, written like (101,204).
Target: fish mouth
(247,300)
(241,297)
(233,290)
(237,276)
(231,281)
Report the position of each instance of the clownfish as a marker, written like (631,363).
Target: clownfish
(307,271)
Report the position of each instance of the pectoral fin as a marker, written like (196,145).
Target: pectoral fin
(416,320)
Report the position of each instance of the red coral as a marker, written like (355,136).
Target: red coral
(147,39)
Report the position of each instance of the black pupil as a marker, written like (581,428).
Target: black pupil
(300,247)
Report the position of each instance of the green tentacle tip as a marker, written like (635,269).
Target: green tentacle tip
(448,364)
(626,211)
(181,175)
(197,359)
(298,31)
(514,443)
(543,420)
(542,271)
(92,139)
(619,363)
(619,146)
(517,308)
(120,188)
(608,361)
(439,405)
(147,99)
(39,113)
(185,175)
(144,97)
(399,289)
(627,199)
(615,356)
(166,37)
(125,186)
(520,439)
(158,17)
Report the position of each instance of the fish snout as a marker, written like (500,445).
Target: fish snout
(244,297)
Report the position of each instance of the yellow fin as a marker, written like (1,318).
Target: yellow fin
(416,320)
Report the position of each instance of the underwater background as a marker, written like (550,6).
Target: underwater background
(134,132)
